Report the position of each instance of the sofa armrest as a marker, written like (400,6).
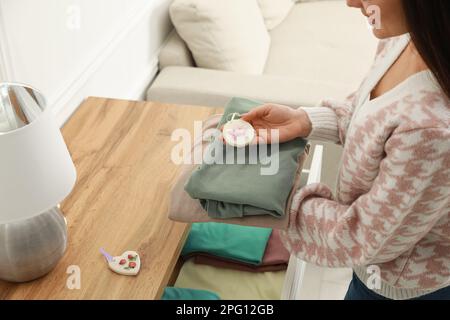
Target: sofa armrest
(175,52)
(198,86)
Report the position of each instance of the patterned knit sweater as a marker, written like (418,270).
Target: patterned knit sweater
(392,207)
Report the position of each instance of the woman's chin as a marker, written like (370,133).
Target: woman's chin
(380,33)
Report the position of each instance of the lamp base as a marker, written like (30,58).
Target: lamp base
(31,248)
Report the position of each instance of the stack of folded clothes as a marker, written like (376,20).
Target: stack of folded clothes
(235,261)
(230,190)
(232,284)
(276,258)
(236,247)
(238,193)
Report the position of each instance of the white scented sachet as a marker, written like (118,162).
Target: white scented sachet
(238,133)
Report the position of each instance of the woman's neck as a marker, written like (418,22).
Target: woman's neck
(408,63)
(417,64)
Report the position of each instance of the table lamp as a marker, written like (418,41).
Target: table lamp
(36,174)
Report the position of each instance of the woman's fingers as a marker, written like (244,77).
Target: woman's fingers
(246,116)
(261,137)
(255,113)
(260,140)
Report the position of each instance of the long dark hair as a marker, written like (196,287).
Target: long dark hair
(429,26)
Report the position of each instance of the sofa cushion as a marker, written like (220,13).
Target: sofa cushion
(322,41)
(198,86)
(274,11)
(225,35)
(175,52)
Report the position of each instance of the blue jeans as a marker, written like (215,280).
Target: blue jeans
(357,290)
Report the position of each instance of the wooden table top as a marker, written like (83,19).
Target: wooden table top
(121,150)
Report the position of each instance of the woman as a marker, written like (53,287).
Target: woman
(392,209)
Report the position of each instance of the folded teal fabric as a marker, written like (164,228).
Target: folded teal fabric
(240,189)
(233,242)
(172,293)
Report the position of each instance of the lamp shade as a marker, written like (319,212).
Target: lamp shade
(36,170)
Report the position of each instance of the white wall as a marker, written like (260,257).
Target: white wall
(71,49)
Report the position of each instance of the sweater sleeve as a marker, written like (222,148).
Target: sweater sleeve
(409,195)
(330,119)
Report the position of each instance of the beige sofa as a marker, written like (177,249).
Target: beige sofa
(321,50)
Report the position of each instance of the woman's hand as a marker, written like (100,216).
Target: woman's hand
(291,123)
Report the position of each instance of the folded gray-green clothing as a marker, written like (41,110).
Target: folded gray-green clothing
(172,293)
(238,190)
